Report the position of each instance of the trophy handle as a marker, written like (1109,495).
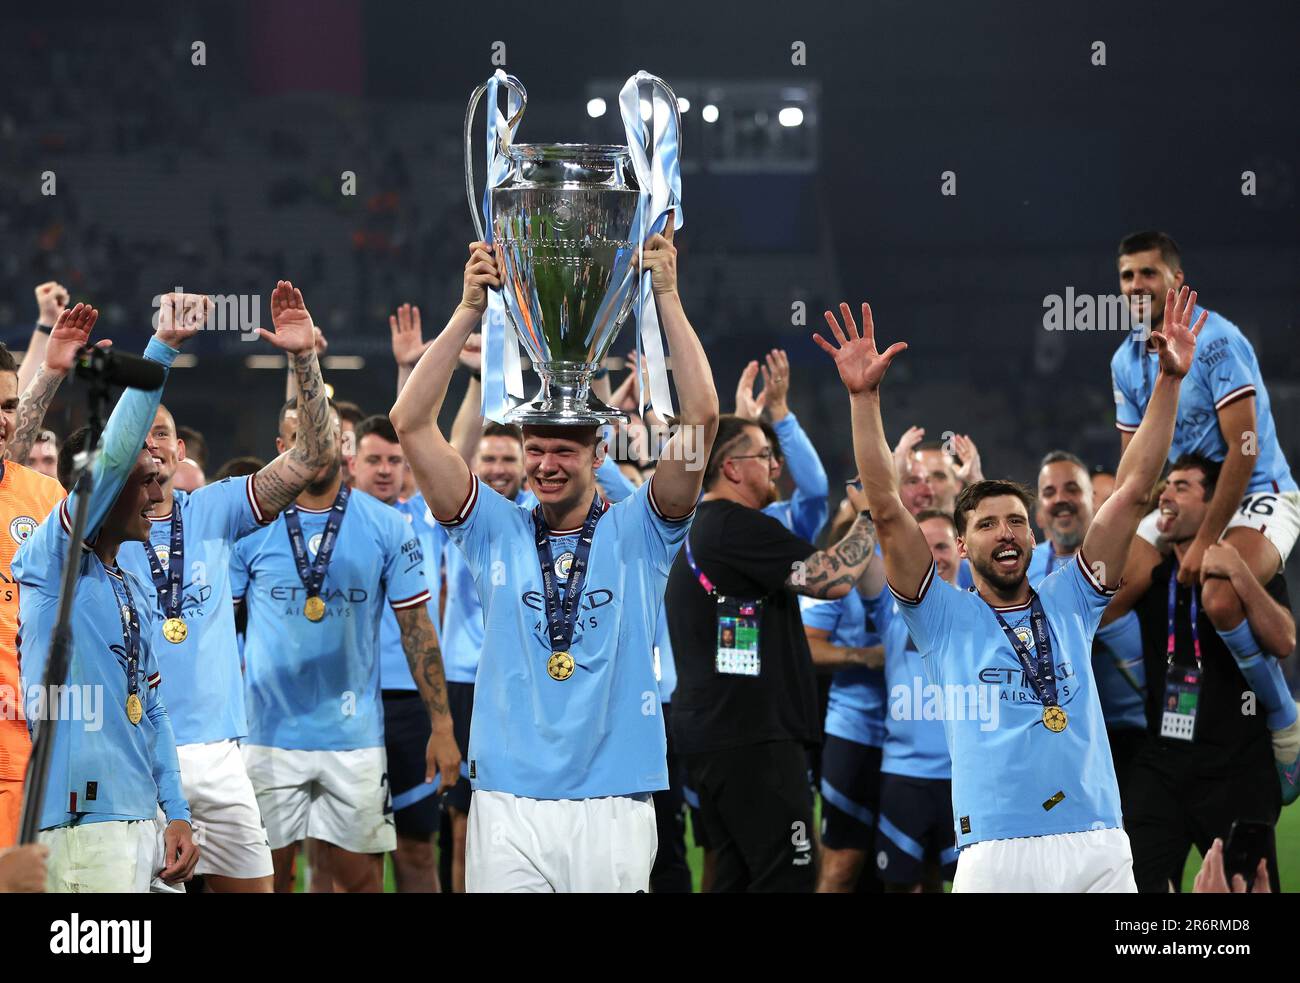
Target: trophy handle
(512,83)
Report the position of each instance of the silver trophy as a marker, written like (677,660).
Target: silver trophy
(564,221)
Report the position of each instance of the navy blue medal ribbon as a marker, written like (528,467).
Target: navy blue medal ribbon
(561,617)
(312,574)
(168,582)
(130,619)
(1039,671)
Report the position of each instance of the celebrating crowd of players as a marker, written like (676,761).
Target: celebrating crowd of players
(542,659)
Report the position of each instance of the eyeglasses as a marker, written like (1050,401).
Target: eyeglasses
(764,455)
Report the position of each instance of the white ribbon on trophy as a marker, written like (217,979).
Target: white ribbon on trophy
(502,371)
(659,175)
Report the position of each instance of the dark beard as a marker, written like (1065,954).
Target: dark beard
(1004,583)
(322,486)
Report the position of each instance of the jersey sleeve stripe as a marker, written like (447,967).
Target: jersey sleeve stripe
(659,512)
(1241,392)
(258,514)
(466,506)
(1126,427)
(926,581)
(1096,584)
(65,520)
(411,602)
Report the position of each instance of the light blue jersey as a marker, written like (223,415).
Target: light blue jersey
(856,708)
(598,732)
(1117,664)
(315,685)
(916,745)
(664,660)
(804,513)
(205,688)
(1225,370)
(394,669)
(102,768)
(1011,776)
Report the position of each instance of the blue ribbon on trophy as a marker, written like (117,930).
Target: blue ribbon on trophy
(502,373)
(657,163)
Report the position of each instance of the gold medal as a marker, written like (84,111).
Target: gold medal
(314,608)
(175,630)
(134,710)
(1054,719)
(560,666)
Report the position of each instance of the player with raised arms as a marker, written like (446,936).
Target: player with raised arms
(567,743)
(1035,799)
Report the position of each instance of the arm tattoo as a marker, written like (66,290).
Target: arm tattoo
(840,564)
(283,480)
(31,413)
(424,657)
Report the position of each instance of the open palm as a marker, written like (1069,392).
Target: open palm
(70,334)
(294,330)
(1176,341)
(861,367)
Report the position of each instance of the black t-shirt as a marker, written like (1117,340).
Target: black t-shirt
(1226,738)
(746,555)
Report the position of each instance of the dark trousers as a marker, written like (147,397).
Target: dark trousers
(670,873)
(757,810)
(1172,807)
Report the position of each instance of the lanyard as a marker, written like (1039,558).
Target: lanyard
(561,617)
(313,575)
(130,630)
(1040,673)
(705,582)
(1173,603)
(168,583)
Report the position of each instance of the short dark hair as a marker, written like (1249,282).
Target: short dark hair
(731,429)
(7,361)
(350,412)
(196,448)
(773,440)
(494,429)
(925,514)
(1209,470)
(1057,456)
(292,404)
(970,497)
(1140,242)
(379,425)
(73,445)
(238,466)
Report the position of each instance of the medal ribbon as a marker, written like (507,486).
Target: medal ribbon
(313,575)
(130,631)
(168,584)
(705,582)
(1040,672)
(1173,603)
(561,618)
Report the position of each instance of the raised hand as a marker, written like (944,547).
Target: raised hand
(483,270)
(659,256)
(1176,341)
(70,334)
(51,301)
(294,331)
(180,316)
(962,447)
(905,447)
(861,367)
(776,382)
(407,335)
(749,406)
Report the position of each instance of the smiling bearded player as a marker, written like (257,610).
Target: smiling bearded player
(561,739)
(1035,798)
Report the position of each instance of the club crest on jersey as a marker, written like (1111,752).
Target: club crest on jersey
(22,527)
(313,544)
(563,563)
(164,554)
(1025,635)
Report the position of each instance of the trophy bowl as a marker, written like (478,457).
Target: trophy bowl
(564,223)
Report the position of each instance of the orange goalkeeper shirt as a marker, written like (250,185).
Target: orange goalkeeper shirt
(26,498)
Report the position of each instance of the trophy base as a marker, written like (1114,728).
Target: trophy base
(564,411)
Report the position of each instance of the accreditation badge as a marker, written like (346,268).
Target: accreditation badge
(1182,695)
(737,651)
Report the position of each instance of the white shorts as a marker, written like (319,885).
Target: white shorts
(227,824)
(1274,514)
(541,846)
(1097,861)
(341,797)
(117,857)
